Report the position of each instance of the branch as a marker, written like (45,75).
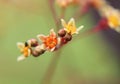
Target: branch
(52,8)
(51,69)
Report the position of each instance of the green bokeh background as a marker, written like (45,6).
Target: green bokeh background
(86,59)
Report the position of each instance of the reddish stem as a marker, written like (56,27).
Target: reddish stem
(102,25)
(52,8)
(51,68)
(63,12)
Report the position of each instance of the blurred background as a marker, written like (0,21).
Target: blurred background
(91,60)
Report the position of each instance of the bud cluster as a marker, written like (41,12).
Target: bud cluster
(65,37)
(50,42)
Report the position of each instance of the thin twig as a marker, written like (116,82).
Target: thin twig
(52,8)
(63,9)
(51,69)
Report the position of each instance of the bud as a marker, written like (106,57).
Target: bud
(33,42)
(35,53)
(63,41)
(38,50)
(68,37)
(61,33)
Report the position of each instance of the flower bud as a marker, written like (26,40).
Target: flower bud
(33,42)
(35,53)
(68,37)
(61,33)
(38,50)
(63,41)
